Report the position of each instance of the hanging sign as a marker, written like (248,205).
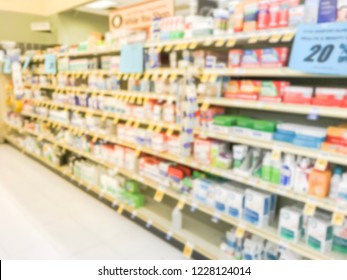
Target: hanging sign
(320,49)
(140,15)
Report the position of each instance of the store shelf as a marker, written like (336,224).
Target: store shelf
(102,114)
(333,112)
(268,233)
(95,52)
(271,145)
(115,93)
(262,72)
(205,240)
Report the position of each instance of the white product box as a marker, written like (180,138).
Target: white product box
(257,208)
(291,223)
(235,203)
(320,233)
(203,191)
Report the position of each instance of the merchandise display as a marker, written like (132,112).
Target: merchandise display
(216,143)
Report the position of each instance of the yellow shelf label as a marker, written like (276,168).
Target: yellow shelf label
(103,118)
(240,232)
(159,49)
(208,43)
(205,106)
(132,99)
(95,138)
(146,76)
(150,127)
(193,45)
(136,124)
(204,78)
(139,100)
(173,77)
(138,152)
(169,132)
(220,43)
(155,77)
(128,123)
(231,42)
(338,219)
(309,209)
(276,154)
(253,40)
(213,78)
(275,38)
(120,209)
(159,195)
(180,204)
(321,164)
(168,48)
(158,129)
(115,120)
(188,250)
(288,37)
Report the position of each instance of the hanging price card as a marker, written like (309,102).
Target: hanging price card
(320,49)
(275,38)
(231,42)
(188,250)
(220,43)
(193,45)
(120,209)
(159,195)
(240,231)
(338,219)
(309,209)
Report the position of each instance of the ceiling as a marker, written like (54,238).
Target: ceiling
(181,6)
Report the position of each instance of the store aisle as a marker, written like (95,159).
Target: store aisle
(42,216)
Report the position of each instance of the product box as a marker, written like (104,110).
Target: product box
(274,57)
(340,238)
(257,208)
(232,89)
(250,16)
(234,58)
(251,58)
(263,15)
(149,167)
(238,17)
(337,135)
(223,124)
(298,95)
(319,233)
(130,160)
(272,91)
(202,150)
(327,11)
(249,89)
(341,10)
(221,197)
(203,191)
(274,14)
(335,97)
(311,11)
(296,15)
(291,223)
(235,202)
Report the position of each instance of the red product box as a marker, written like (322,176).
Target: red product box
(283,15)
(176,173)
(332,97)
(333,148)
(272,91)
(249,89)
(337,141)
(274,15)
(263,16)
(232,89)
(298,95)
(251,58)
(274,57)
(234,58)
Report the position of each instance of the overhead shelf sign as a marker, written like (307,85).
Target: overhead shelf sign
(320,49)
(140,15)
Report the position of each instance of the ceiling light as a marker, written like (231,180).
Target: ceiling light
(101,4)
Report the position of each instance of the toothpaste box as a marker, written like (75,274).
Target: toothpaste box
(272,91)
(202,150)
(263,15)
(232,89)
(234,58)
(249,89)
(335,97)
(251,58)
(250,15)
(257,208)
(298,95)
(221,197)
(327,11)
(274,57)
(203,191)
(319,233)
(342,10)
(291,223)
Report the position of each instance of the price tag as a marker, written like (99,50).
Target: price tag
(193,45)
(159,49)
(169,132)
(184,46)
(95,138)
(253,40)
(275,38)
(139,100)
(288,37)
(240,231)
(136,124)
(132,99)
(158,129)
(180,204)
(338,219)
(173,77)
(159,195)
(309,209)
(208,43)
(213,78)
(168,48)
(138,152)
(205,106)
(125,77)
(231,42)
(120,209)
(103,118)
(169,235)
(321,164)
(215,218)
(220,43)
(128,123)
(146,76)
(276,154)
(188,250)
(149,223)
(150,127)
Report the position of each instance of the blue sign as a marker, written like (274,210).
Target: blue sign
(50,64)
(320,49)
(131,59)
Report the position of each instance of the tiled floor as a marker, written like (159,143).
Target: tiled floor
(42,216)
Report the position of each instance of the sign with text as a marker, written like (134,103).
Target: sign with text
(320,49)
(140,16)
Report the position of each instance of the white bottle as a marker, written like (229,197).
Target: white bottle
(335,182)
(342,191)
(176,219)
(302,172)
(288,171)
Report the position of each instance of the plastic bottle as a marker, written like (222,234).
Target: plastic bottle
(176,219)
(335,182)
(276,171)
(288,171)
(319,182)
(302,171)
(266,167)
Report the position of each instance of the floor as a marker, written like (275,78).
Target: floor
(42,216)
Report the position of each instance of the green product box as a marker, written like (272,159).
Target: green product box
(264,125)
(244,122)
(224,120)
(132,186)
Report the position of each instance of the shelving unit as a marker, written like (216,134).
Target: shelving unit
(205,240)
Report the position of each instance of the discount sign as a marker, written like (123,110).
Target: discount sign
(320,49)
